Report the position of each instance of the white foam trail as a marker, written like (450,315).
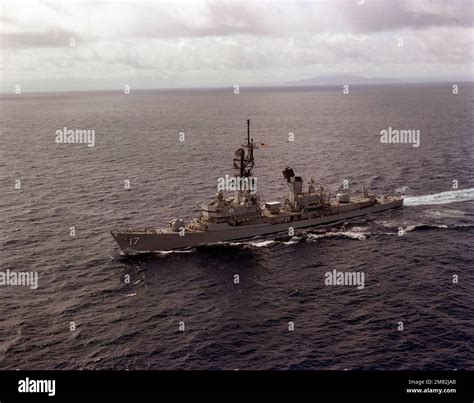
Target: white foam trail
(354,235)
(292,241)
(256,244)
(261,244)
(167,252)
(348,234)
(441,198)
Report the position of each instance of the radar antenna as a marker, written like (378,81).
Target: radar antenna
(243,157)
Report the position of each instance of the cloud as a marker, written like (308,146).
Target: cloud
(49,39)
(219,43)
(218,18)
(379,16)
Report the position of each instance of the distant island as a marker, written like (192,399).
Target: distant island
(341,79)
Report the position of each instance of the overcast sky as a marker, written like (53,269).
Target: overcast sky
(159,44)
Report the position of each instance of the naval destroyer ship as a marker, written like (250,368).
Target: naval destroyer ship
(243,216)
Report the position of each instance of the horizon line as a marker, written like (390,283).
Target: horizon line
(251,86)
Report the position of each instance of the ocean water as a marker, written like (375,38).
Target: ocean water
(136,325)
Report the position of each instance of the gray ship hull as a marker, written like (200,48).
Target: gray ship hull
(142,241)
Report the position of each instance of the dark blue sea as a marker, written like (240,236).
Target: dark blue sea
(84,315)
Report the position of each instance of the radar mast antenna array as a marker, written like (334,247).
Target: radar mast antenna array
(244,161)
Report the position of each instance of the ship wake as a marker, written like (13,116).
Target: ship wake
(453,196)
(355,233)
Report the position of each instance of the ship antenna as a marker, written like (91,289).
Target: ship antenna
(248,131)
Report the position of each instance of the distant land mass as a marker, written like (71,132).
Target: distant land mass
(49,86)
(354,79)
